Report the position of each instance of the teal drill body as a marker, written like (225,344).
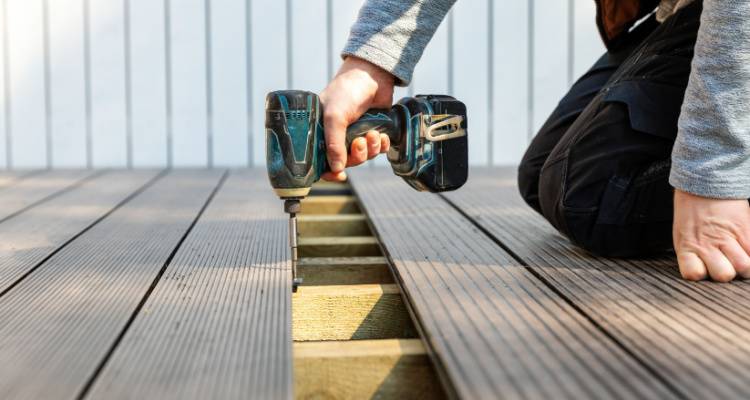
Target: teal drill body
(427,134)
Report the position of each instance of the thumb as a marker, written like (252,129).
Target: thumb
(335,132)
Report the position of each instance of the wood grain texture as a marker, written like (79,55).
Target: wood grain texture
(341,204)
(32,236)
(364,369)
(60,323)
(333,225)
(349,312)
(494,329)
(344,270)
(218,323)
(678,329)
(351,246)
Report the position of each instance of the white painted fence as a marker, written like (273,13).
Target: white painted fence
(139,83)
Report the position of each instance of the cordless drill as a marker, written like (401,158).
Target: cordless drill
(428,146)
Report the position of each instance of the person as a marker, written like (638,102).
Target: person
(648,151)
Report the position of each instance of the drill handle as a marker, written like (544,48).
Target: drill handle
(375,119)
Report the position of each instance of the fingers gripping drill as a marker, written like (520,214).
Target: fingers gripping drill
(428,146)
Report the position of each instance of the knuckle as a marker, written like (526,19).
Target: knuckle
(694,275)
(724,276)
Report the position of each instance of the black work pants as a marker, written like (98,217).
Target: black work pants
(598,169)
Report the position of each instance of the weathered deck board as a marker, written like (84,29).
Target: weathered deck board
(495,329)
(59,324)
(25,193)
(34,235)
(694,335)
(8,178)
(218,323)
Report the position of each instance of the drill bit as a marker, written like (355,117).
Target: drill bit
(292,207)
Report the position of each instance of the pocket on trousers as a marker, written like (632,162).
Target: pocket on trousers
(653,108)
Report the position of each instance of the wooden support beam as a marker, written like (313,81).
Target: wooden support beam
(328,185)
(349,312)
(333,225)
(344,270)
(364,369)
(355,246)
(329,205)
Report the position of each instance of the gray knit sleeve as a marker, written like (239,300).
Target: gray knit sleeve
(392,34)
(711,156)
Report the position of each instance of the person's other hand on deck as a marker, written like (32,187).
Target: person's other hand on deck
(711,237)
(358,86)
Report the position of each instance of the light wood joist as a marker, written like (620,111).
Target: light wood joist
(364,369)
(346,246)
(349,312)
(344,270)
(333,225)
(338,204)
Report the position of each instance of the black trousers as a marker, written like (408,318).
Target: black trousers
(598,169)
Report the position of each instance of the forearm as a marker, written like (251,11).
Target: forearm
(393,34)
(711,156)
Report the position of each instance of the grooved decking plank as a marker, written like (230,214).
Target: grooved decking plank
(60,322)
(25,193)
(8,178)
(29,238)
(218,324)
(495,330)
(680,329)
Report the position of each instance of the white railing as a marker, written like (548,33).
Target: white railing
(138,83)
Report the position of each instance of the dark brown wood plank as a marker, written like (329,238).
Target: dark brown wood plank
(696,336)
(61,322)
(218,323)
(495,330)
(32,236)
(37,188)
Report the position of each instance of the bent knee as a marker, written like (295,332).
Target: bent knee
(528,184)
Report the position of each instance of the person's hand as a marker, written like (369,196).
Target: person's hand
(711,237)
(358,86)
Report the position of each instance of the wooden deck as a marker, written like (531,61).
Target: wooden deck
(175,284)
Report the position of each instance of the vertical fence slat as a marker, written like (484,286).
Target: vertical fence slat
(550,57)
(268,43)
(26,63)
(4,88)
(431,74)
(511,73)
(344,15)
(148,83)
(67,85)
(188,70)
(588,45)
(470,72)
(228,82)
(107,35)
(309,68)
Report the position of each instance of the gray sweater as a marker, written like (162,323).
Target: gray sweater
(711,156)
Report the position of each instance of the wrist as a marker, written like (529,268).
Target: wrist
(378,75)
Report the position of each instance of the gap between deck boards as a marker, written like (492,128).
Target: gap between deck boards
(353,336)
